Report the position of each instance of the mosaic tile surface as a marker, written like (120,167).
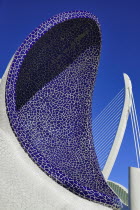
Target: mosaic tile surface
(48,98)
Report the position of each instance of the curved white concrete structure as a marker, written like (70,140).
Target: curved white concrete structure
(121,128)
(23,184)
(134,188)
(120,190)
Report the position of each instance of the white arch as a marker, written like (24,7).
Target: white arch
(121,128)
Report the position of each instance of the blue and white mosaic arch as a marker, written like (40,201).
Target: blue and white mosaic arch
(48,98)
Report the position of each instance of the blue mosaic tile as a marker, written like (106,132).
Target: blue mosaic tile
(48,99)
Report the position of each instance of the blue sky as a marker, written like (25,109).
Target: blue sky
(120,25)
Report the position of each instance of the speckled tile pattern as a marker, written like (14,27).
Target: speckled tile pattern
(48,100)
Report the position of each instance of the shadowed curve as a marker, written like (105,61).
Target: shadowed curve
(52,53)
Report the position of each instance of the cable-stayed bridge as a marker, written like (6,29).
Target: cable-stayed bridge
(110,125)
(108,132)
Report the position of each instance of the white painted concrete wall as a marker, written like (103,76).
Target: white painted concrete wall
(23,186)
(134,188)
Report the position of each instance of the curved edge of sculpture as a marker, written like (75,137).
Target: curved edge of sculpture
(121,128)
(120,190)
(114,202)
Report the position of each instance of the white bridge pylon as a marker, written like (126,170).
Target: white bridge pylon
(107,131)
(121,128)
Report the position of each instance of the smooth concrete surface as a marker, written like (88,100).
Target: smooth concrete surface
(134,188)
(23,185)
